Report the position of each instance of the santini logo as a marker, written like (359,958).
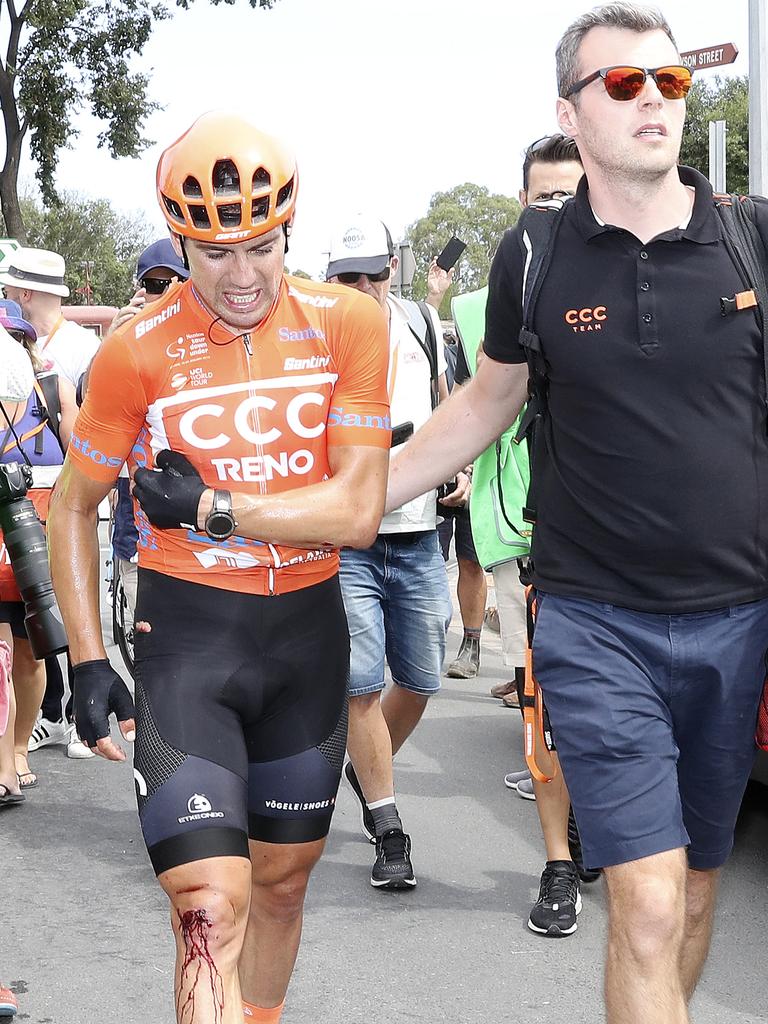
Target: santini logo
(151,322)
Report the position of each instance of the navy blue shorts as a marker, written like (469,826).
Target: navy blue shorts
(654,718)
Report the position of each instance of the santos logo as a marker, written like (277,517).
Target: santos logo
(154,321)
(199,807)
(197,425)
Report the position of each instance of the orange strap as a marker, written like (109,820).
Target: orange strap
(533,705)
(56,326)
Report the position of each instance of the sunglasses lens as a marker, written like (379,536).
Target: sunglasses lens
(674,82)
(624,83)
(155,285)
(349,278)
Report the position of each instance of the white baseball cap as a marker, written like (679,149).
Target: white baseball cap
(37,269)
(363,246)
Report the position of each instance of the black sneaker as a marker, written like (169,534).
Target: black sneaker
(392,868)
(559,902)
(574,845)
(366,818)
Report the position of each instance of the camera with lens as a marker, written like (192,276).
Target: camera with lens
(446,511)
(28,551)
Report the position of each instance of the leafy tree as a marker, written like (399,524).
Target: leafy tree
(89,231)
(60,56)
(479,218)
(719,99)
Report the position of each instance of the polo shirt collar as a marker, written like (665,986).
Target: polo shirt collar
(702,226)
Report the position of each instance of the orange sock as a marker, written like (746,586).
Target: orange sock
(258,1015)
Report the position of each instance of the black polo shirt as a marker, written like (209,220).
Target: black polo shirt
(656,494)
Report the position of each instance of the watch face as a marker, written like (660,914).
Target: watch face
(220,525)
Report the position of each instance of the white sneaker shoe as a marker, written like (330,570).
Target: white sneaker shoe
(46,734)
(75,746)
(513,779)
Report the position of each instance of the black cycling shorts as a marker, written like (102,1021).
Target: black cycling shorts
(241,716)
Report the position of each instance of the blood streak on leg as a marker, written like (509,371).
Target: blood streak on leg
(195,927)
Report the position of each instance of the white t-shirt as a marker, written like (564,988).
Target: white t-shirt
(70,348)
(410,400)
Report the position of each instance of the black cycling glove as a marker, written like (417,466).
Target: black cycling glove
(169,498)
(99,690)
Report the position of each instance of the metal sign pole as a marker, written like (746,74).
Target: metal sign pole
(717,155)
(758,105)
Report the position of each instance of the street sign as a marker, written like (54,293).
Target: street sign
(710,57)
(7,248)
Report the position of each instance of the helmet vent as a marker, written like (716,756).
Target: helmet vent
(174,209)
(284,196)
(230,215)
(226,179)
(192,188)
(261,179)
(259,210)
(199,216)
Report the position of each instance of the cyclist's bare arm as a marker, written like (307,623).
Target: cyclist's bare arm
(343,511)
(458,430)
(75,563)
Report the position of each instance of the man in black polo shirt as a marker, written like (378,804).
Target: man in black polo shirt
(651,546)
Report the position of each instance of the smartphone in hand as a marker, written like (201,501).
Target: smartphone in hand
(449,257)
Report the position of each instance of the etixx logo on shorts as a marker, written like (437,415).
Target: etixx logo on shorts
(591,318)
(199,807)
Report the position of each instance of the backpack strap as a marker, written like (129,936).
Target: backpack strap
(537,230)
(47,388)
(423,330)
(747,249)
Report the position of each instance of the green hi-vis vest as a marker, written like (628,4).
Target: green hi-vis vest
(501,474)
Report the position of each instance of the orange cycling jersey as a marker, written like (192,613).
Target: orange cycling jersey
(254,414)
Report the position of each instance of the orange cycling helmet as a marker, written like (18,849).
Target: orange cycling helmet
(225,181)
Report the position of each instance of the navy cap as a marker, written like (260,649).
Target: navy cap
(12,320)
(161,254)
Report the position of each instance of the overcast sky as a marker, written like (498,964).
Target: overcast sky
(385,103)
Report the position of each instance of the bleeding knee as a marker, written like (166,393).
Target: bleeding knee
(207,918)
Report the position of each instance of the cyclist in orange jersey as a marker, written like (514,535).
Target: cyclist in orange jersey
(252,410)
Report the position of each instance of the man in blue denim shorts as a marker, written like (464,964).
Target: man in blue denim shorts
(651,541)
(395,592)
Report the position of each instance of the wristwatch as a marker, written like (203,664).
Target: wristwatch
(220,523)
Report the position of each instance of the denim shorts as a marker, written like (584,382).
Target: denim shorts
(654,718)
(398,604)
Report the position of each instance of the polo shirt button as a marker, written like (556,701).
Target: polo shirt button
(647,317)
(644,286)
(643,254)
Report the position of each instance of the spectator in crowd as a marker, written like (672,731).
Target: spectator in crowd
(395,592)
(471,587)
(10,794)
(37,432)
(551,170)
(158,268)
(35,280)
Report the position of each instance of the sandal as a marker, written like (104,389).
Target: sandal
(7,798)
(27,775)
